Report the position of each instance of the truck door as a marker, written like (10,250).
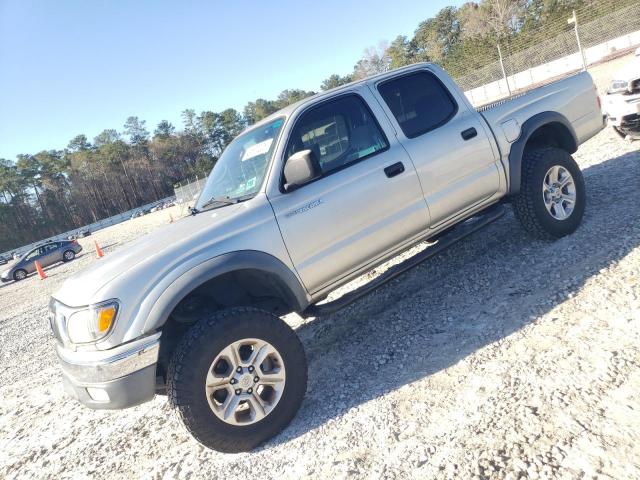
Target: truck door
(366,201)
(446,140)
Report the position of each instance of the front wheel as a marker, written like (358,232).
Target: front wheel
(68,255)
(237,378)
(552,195)
(19,274)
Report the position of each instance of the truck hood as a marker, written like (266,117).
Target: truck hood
(81,289)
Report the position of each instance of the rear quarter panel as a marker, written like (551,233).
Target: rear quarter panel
(575,98)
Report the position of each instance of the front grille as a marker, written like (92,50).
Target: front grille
(631,121)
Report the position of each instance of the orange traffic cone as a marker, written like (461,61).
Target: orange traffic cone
(170,218)
(40,271)
(98,251)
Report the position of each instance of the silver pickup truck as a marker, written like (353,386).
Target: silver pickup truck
(298,205)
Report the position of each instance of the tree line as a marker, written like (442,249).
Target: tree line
(52,191)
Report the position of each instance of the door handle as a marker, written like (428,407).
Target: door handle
(469,133)
(393,170)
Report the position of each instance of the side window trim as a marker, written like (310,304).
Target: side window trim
(454,102)
(323,103)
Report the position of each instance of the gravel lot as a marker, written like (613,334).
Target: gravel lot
(500,358)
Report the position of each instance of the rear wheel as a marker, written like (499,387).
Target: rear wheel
(19,274)
(68,255)
(552,196)
(237,378)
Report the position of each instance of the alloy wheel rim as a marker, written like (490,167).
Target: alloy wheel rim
(245,381)
(68,255)
(20,275)
(559,192)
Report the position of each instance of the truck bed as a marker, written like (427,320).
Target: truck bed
(574,97)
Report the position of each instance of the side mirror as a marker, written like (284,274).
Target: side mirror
(301,168)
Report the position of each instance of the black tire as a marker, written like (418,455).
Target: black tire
(529,204)
(193,357)
(16,275)
(68,253)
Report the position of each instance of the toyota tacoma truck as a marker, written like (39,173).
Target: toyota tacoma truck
(298,205)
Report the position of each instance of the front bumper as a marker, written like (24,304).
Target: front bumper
(621,107)
(112,379)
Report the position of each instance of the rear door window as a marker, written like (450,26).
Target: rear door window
(50,247)
(419,102)
(339,133)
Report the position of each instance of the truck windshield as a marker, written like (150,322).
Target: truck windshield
(240,170)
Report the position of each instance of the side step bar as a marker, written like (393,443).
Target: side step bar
(457,233)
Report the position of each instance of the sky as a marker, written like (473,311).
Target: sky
(76,66)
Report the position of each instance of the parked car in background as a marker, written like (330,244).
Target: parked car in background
(47,254)
(3,260)
(622,101)
(84,233)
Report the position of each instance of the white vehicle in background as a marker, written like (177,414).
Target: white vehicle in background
(622,102)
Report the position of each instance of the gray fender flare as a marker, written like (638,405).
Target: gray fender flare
(569,143)
(295,294)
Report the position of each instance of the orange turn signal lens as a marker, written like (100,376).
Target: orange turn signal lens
(105,318)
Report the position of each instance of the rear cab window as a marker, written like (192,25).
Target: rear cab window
(419,102)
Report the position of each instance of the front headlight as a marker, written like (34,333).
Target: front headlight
(618,86)
(92,323)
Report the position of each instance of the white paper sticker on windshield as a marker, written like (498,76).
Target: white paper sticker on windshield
(257,149)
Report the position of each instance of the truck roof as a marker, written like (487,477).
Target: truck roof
(289,109)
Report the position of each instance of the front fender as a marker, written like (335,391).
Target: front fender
(296,295)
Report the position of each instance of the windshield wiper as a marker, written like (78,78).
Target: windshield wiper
(222,200)
(213,201)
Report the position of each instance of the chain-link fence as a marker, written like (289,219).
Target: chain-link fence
(188,191)
(185,195)
(510,65)
(92,228)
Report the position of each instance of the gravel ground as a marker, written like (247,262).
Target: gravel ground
(501,358)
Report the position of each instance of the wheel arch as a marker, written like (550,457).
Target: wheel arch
(243,278)
(246,262)
(545,129)
(19,269)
